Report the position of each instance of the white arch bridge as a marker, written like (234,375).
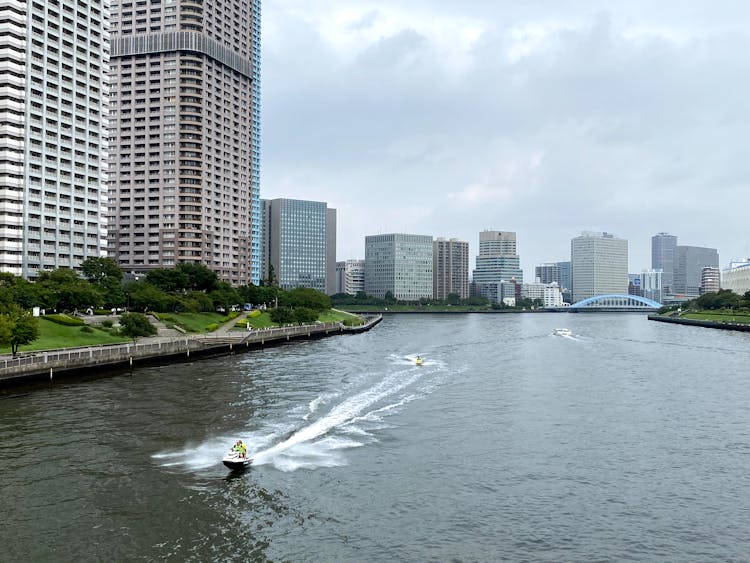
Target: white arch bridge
(616,302)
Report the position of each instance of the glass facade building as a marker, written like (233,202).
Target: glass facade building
(400,264)
(299,244)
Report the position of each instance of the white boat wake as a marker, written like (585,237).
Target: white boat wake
(321,443)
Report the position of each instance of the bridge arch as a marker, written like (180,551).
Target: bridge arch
(617,301)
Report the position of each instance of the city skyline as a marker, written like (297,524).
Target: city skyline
(448,119)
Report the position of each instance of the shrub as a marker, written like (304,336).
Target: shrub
(102,311)
(255,313)
(87,328)
(107,324)
(233,314)
(212,327)
(65,320)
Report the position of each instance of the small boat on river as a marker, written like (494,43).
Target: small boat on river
(563,332)
(236,460)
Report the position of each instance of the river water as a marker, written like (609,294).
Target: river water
(629,440)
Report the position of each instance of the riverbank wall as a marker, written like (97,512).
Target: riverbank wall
(723,325)
(53,364)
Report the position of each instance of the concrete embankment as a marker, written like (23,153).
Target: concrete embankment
(52,364)
(723,325)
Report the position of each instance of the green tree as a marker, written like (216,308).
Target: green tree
(96,270)
(143,296)
(198,277)
(453,299)
(134,325)
(67,292)
(281,315)
(224,296)
(169,280)
(18,328)
(305,315)
(306,297)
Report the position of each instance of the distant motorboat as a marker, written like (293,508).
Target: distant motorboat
(563,332)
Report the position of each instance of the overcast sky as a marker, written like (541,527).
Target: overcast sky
(542,117)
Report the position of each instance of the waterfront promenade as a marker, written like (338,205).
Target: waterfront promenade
(50,364)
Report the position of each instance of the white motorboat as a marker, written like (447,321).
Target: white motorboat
(235,460)
(563,332)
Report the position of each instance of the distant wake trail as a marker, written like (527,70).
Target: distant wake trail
(340,414)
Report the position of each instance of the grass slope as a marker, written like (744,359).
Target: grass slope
(53,336)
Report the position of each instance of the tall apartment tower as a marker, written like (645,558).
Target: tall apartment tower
(400,264)
(299,243)
(53,136)
(496,262)
(663,247)
(599,263)
(450,268)
(185,136)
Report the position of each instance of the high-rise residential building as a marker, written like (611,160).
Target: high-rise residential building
(599,263)
(710,280)
(663,247)
(350,276)
(299,244)
(450,268)
(689,263)
(53,135)
(651,285)
(400,264)
(737,277)
(496,262)
(185,136)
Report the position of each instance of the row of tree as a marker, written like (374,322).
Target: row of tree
(186,288)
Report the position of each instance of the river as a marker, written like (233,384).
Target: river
(629,440)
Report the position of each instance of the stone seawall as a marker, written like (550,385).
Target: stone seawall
(697,322)
(51,364)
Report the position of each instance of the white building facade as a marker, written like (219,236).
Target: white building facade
(599,263)
(737,277)
(350,276)
(53,123)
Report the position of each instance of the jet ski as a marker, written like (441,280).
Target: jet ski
(235,460)
(419,360)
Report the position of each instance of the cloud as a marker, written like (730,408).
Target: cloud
(443,118)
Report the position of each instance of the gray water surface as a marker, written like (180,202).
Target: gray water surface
(628,441)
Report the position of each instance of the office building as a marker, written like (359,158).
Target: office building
(737,277)
(53,135)
(400,264)
(689,264)
(497,262)
(663,247)
(599,263)
(299,244)
(450,268)
(350,276)
(184,167)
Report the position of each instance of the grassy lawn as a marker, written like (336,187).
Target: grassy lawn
(53,336)
(726,316)
(193,322)
(264,320)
